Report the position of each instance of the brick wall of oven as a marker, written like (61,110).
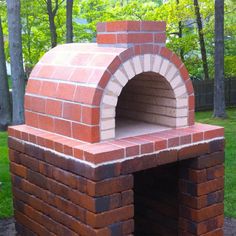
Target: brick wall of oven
(57,195)
(149,97)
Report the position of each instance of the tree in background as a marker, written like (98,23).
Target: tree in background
(219,95)
(52,11)
(201,39)
(69,25)
(5,107)
(17,70)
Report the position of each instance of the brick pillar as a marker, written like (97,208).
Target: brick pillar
(201,186)
(130,33)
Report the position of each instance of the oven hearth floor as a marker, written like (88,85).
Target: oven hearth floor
(129,128)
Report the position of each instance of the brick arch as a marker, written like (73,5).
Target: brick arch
(142,59)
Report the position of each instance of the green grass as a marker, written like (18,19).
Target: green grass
(204,117)
(230,155)
(6,209)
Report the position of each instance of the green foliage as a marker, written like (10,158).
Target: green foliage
(36,33)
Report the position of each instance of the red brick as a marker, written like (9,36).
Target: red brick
(106,38)
(85,132)
(110,186)
(202,227)
(210,186)
(48,89)
(63,127)
(128,227)
(160,38)
(135,38)
(31,119)
(202,214)
(165,52)
(64,177)
(137,49)
(189,86)
(123,26)
(166,157)
(145,145)
(72,111)
(176,60)
(98,153)
(81,59)
(156,49)
(18,170)
(100,77)
(65,91)
(146,49)
(197,176)
(46,71)
(53,107)
(102,60)
(130,148)
(114,65)
(191,118)
(159,143)
(27,102)
(202,201)
(35,227)
(215,172)
(109,217)
(81,75)
(193,151)
(185,139)
(63,72)
(46,123)
(90,115)
(184,73)
(207,161)
(11,131)
(153,25)
(217,232)
(191,102)
(126,54)
(88,95)
(37,104)
(127,197)
(217,132)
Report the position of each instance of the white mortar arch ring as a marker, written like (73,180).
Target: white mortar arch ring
(128,70)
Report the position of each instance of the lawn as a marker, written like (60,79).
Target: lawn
(5,186)
(204,117)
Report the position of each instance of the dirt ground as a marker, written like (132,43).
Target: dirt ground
(7,227)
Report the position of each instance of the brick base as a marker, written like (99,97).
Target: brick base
(56,195)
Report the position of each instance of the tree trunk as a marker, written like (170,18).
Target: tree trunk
(5,107)
(51,17)
(17,69)
(180,34)
(69,25)
(219,92)
(201,39)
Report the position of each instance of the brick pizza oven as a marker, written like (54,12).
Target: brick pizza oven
(109,146)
